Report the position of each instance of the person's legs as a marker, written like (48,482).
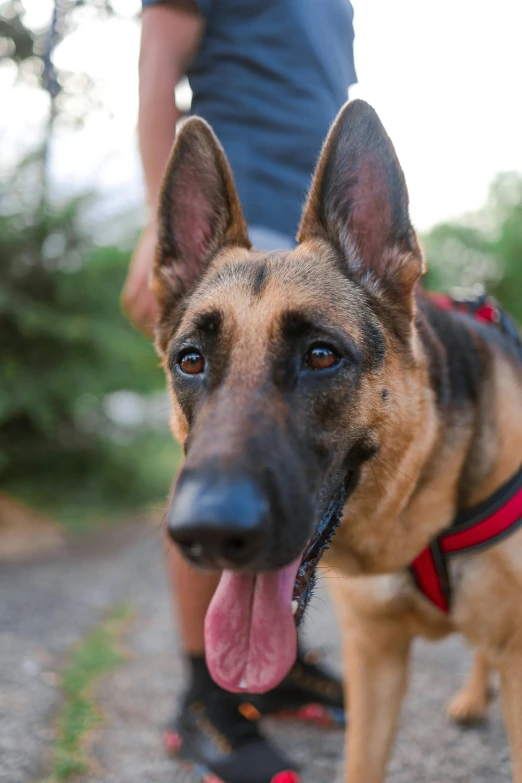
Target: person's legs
(191,593)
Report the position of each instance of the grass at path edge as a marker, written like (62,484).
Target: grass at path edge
(96,655)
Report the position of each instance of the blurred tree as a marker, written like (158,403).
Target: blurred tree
(65,345)
(72,96)
(485,248)
(20,42)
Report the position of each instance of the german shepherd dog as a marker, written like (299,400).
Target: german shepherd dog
(297,376)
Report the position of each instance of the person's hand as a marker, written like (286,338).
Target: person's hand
(137,300)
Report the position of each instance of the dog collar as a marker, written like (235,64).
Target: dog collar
(479,528)
(490,521)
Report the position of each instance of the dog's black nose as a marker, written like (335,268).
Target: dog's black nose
(218,522)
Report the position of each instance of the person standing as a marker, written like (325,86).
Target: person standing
(269,76)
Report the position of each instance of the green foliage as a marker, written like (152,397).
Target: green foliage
(486,248)
(66,346)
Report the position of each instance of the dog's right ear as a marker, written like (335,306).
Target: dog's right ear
(359,202)
(199,213)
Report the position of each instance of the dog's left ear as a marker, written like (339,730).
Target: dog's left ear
(359,202)
(199,214)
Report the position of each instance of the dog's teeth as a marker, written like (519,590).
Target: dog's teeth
(295,606)
(243,685)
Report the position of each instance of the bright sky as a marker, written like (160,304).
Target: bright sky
(444,76)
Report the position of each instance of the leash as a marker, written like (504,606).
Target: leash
(493,519)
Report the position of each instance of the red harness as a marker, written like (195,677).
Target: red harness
(487,523)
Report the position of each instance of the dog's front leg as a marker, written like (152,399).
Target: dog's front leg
(376,664)
(511,690)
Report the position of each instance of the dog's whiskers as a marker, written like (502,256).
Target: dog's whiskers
(415,481)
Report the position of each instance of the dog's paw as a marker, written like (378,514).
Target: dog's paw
(468,706)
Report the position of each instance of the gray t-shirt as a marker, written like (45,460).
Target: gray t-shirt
(270,76)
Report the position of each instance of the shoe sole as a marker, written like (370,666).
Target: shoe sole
(173,745)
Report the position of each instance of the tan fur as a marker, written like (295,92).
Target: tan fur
(470,704)
(428,464)
(487,601)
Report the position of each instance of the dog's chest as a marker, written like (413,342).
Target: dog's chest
(395,595)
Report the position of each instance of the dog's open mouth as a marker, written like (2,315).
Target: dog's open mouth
(250,627)
(305,578)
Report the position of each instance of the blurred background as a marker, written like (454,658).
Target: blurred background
(84,436)
(84,440)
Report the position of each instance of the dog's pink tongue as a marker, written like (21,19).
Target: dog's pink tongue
(250,634)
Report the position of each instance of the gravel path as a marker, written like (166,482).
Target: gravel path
(46,607)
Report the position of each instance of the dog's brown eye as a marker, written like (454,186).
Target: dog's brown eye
(321,358)
(192,363)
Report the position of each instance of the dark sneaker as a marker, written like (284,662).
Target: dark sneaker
(308,693)
(223,746)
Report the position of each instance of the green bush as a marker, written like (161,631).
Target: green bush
(64,347)
(484,248)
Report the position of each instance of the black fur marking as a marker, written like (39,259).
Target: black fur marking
(351,481)
(461,354)
(260,278)
(374,346)
(437,365)
(296,325)
(394,318)
(208,323)
(363,450)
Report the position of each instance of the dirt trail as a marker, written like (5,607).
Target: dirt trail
(46,607)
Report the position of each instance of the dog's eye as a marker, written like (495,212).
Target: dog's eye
(191,363)
(321,357)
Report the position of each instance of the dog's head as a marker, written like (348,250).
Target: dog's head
(286,369)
